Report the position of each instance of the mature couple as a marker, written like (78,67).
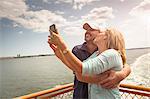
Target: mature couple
(100,62)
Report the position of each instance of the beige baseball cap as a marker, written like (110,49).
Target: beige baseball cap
(94,26)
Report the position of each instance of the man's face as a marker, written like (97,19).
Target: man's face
(100,39)
(94,33)
(90,33)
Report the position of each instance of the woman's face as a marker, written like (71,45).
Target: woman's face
(100,38)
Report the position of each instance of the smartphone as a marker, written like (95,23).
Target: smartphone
(53,28)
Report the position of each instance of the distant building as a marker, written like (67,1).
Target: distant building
(18,55)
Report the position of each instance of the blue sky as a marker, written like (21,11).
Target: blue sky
(24,24)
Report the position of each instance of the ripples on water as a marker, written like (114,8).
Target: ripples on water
(140,74)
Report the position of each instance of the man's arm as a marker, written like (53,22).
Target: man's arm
(91,79)
(109,79)
(115,78)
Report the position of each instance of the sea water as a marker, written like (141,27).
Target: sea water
(20,76)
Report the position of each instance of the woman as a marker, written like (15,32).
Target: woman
(110,55)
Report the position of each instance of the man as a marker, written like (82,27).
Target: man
(109,79)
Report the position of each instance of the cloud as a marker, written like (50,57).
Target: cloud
(73,17)
(122,0)
(63,1)
(46,1)
(142,9)
(99,15)
(20,32)
(138,25)
(77,4)
(15,25)
(136,29)
(136,32)
(10,9)
(74,30)
(38,21)
(59,12)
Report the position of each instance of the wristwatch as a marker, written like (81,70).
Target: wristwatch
(65,51)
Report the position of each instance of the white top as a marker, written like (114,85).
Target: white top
(96,64)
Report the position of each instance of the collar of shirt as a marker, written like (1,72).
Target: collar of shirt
(84,48)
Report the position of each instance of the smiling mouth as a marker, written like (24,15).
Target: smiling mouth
(87,35)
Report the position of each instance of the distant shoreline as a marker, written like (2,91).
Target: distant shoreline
(138,48)
(12,57)
(27,56)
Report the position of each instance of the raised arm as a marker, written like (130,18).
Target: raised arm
(74,63)
(89,68)
(87,79)
(60,55)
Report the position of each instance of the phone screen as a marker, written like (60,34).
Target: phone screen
(53,28)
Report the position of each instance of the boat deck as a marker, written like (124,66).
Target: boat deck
(66,91)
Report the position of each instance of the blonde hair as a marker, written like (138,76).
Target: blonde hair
(115,41)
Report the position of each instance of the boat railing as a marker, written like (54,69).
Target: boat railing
(127,91)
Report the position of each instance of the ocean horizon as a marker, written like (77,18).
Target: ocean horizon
(52,54)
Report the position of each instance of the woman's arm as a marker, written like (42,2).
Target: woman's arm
(60,55)
(108,79)
(62,58)
(80,77)
(74,63)
(87,79)
(93,66)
